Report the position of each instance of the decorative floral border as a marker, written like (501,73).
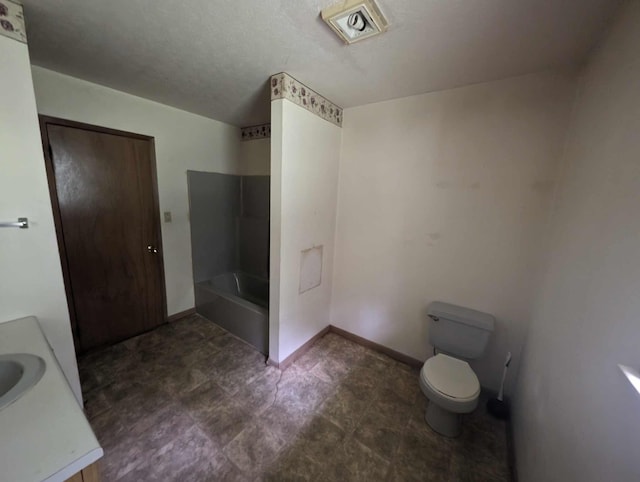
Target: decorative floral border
(283,86)
(12,21)
(256,132)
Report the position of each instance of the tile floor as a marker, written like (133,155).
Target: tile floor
(190,402)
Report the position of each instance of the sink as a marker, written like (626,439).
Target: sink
(18,373)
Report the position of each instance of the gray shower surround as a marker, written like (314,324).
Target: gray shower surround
(229,217)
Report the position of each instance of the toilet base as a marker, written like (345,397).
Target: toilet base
(442,421)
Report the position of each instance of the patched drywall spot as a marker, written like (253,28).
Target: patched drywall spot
(310,268)
(474,185)
(443,184)
(433,238)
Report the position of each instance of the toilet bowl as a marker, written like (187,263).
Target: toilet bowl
(452,388)
(446,379)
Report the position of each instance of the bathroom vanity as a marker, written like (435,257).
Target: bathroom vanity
(44,435)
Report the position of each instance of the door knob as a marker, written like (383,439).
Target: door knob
(152,249)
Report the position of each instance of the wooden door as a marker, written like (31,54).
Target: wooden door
(103,188)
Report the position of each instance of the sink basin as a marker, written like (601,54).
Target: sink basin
(18,373)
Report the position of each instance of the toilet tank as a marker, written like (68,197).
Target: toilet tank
(459,331)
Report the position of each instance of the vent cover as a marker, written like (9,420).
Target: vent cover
(355,20)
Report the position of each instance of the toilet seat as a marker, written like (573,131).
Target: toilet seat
(450,383)
(451,377)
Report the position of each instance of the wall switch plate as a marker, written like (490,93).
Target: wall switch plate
(167,216)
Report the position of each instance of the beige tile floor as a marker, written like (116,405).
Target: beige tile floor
(190,402)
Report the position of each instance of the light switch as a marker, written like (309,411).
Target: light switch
(167,216)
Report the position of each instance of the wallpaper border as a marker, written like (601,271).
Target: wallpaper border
(283,86)
(12,21)
(253,133)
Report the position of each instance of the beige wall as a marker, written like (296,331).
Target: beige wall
(30,274)
(255,157)
(577,417)
(183,141)
(305,152)
(445,196)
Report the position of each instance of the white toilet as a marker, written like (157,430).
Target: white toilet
(447,380)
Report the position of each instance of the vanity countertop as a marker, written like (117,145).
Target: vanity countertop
(44,435)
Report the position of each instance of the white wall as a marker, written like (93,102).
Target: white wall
(30,274)
(255,157)
(577,418)
(305,152)
(183,141)
(445,196)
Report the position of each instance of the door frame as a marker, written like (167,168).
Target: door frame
(44,121)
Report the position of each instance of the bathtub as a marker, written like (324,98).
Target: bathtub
(239,303)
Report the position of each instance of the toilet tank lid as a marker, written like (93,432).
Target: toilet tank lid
(481,320)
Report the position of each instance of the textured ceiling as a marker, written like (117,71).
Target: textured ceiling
(213,57)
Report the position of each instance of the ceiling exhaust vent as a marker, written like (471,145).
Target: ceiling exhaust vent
(355,20)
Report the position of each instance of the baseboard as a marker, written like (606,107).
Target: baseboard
(396,355)
(511,448)
(401,357)
(511,451)
(300,351)
(181,314)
